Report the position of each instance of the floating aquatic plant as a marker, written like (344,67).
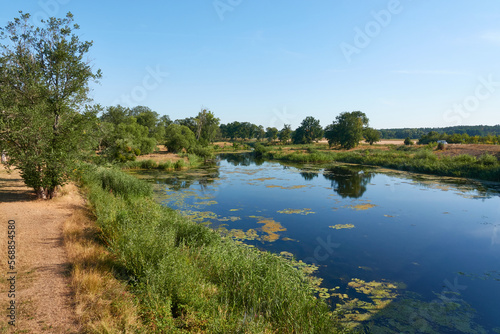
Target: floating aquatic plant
(296,211)
(342,226)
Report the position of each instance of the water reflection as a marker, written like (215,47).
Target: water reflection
(183,180)
(348,181)
(239,159)
(308,176)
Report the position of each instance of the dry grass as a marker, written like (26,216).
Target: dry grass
(472,149)
(103,304)
(162,155)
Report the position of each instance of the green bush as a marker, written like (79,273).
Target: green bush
(148,164)
(488,160)
(179,164)
(408,141)
(203,152)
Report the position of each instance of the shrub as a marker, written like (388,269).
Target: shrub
(148,164)
(488,160)
(179,164)
(408,141)
(201,151)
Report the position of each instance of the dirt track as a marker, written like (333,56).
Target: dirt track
(43,298)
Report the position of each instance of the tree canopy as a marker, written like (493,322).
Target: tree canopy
(347,129)
(44,85)
(309,130)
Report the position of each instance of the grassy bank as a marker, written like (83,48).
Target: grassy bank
(185,161)
(188,278)
(413,159)
(102,302)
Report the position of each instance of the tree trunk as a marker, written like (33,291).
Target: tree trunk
(41,193)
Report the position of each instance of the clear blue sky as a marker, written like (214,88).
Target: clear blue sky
(407,63)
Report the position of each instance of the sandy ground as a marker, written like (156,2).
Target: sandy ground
(43,297)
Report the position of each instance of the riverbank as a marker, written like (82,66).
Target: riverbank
(196,281)
(406,158)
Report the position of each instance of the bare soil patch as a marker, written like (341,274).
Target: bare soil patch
(43,297)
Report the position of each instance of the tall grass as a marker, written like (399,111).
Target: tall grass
(189,279)
(102,302)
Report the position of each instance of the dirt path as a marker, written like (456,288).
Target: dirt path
(43,297)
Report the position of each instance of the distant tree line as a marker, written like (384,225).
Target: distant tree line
(470,130)
(457,138)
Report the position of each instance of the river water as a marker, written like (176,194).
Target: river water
(397,252)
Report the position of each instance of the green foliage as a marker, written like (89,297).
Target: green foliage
(125,130)
(488,160)
(149,164)
(203,152)
(242,130)
(347,129)
(441,146)
(272,133)
(431,137)
(114,181)
(461,130)
(408,141)
(44,84)
(310,130)
(371,135)
(207,126)
(285,134)
(414,159)
(179,137)
(188,279)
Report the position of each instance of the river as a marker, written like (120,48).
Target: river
(397,252)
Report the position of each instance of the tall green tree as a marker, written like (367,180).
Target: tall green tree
(179,137)
(309,130)
(347,129)
(207,126)
(272,133)
(285,134)
(371,135)
(44,85)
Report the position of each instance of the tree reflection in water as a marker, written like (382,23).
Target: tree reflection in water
(348,181)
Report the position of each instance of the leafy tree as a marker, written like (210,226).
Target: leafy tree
(272,133)
(44,85)
(259,132)
(347,129)
(125,136)
(432,136)
(408,141)
(116,115)
(310,130)
(371,135)
(190,122)
(285,134)
(207,126)
(179,137)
